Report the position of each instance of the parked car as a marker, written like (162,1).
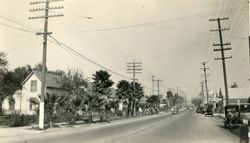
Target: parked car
(175,110)
(199,109)
(209,110)
(191,107)
(204,109)
(232,117)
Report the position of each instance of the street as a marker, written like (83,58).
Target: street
(185,127)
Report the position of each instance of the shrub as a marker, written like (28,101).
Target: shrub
(16,120)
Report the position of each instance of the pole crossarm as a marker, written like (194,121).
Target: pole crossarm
(216,19)
(224,44)
(223,58)
(43,9)
(134,72)
(229,48)
(216,30)
(42,33)
(42,2)
(43,16)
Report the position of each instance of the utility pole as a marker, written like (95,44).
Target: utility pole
(159,83)
(45,33)
(249,29)
(177,90)
(134,68)
(222,49)
(202,91)
(152,85)
(205,76)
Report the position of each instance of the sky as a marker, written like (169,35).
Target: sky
(170,38)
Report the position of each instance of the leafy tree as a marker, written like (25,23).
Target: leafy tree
(3,62)
(220,94)
(39,67)
(153,102)
(164,101)
(20,73)
(125,92)
(197,101)
(138,94)
(170,98)
(101,90)
(123,89)
(174,99)
(11,81)
(7,87)
(75,85)
(54,104)
(3,70)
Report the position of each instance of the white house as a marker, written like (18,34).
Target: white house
(31,89)
(237,94)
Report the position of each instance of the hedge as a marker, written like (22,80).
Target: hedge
(16,120)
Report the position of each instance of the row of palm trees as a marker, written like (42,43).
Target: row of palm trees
(80,96)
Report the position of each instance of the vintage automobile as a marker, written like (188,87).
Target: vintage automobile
(175,110)
(209,110)
(232,118)
(199,109)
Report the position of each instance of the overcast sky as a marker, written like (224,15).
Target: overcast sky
(170,37)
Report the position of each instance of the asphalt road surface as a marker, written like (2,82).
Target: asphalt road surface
(185,127)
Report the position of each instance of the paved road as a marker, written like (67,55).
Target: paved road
(185,127)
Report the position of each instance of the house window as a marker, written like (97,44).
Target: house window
(32,106)
(12,106)
(33,86)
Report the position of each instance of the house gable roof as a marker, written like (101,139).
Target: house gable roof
(52,80)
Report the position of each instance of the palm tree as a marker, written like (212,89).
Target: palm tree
(101,90)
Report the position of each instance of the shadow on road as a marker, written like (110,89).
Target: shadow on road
(235,131)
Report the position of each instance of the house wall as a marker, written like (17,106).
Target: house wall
(27,94)
(6,106)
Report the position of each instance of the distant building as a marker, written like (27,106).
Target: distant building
(31,90)
(237,94)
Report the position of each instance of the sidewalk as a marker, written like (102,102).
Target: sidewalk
(246,122)
(220,115)
(10,132)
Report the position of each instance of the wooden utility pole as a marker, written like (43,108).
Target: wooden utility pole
(45,33)
(249,29)
(249,46)
(222,49)
(134,68)
(205,76)
(159,82)
(152,85)
(202,92)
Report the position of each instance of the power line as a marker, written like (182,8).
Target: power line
(161,22)
(17,28)
(62,45)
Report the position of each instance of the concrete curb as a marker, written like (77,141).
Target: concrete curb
(27,130)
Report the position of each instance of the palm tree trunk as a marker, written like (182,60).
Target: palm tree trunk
(128,108)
